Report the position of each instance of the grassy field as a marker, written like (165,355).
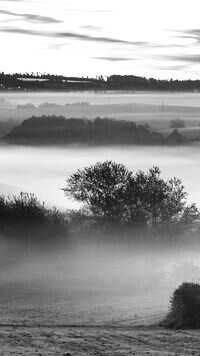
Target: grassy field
(85,321)
(96,341)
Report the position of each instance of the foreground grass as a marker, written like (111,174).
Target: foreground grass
(96,341)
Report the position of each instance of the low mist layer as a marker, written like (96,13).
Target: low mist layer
(91,283)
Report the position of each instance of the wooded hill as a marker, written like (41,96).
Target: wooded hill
(101,131)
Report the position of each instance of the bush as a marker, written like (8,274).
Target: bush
(185,307)
(25,217)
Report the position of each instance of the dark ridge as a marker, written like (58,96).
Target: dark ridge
(39,81)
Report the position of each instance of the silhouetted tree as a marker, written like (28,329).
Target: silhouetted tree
(115,195)
(159,203)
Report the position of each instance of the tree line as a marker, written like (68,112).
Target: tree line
(46,81)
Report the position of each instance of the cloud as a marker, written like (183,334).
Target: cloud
(31,17)
(91,28)
(69,35)
(167,45)
(115,59)
(186,36)
(173,67)
(96,38)
(93,11)
(56,46)
(21,31)
(189,34)
(190,58)
(193,32)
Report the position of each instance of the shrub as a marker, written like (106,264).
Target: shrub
(25,217)
(185,307)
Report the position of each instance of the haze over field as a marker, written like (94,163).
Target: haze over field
(103,98)
(154,109)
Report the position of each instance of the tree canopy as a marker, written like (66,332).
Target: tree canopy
(114,195)
(102,188)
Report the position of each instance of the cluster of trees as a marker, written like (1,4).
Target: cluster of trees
(46,81)
(111,198)
(59,130)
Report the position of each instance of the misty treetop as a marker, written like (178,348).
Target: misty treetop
(115,196)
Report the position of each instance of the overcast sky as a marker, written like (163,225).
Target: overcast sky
(152,38)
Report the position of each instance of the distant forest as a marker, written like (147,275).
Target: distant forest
(39,81)
(58,130)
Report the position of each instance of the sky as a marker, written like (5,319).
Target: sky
(151,38)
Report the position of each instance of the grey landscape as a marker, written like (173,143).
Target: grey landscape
(99,178)
(98,296)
